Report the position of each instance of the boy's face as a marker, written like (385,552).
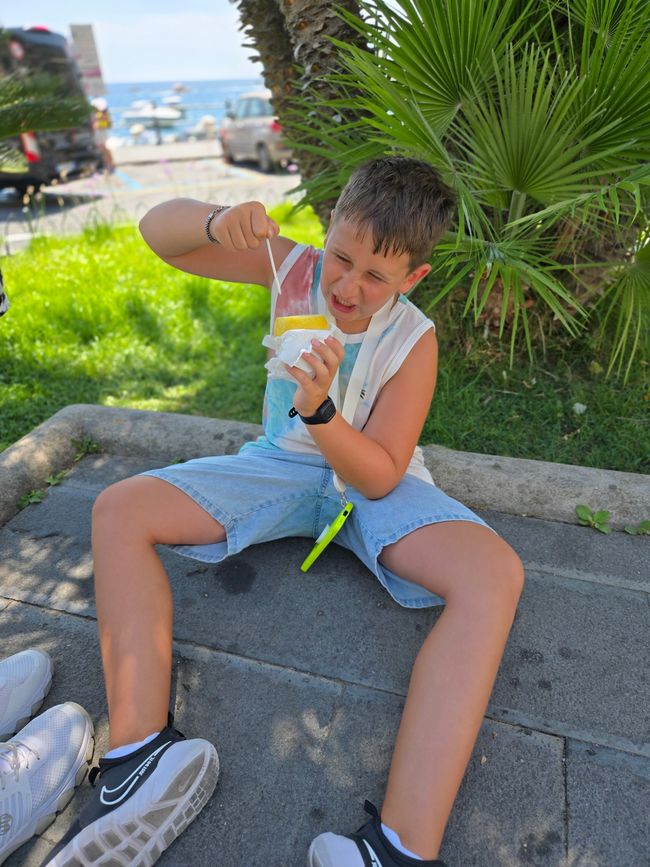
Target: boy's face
(355,281)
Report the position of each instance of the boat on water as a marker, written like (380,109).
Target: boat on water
(146,112)
(174,101)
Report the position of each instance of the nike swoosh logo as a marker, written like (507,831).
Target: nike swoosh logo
(374,860)
(126,786)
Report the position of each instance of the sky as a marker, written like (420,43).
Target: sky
(138,40)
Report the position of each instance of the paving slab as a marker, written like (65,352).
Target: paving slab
(577,663)
(579,552)
(300,746)
(269,663)
(508,766)
(569,637)
(608,801)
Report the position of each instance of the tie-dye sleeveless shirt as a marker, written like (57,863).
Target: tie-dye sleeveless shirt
(299,276)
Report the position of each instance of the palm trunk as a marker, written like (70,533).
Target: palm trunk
(290,39)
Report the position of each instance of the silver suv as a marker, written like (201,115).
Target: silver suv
(252,132)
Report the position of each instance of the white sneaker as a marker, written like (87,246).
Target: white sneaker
(25,679)
(368,847)
(39,769)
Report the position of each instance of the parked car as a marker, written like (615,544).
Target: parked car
(57,154)
(252,132)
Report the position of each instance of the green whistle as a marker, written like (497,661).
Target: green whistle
(326,536)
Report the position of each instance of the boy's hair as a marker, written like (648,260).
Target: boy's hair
(403,201)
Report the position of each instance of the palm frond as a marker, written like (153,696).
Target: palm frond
(432,50)
(614,62)
(627,302)
(522,141)
(37,103)
(594,200)
(516,265)
(604,16)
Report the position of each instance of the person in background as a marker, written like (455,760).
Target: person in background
(4,301)
(101,124)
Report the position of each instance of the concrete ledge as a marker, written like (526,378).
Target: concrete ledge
(538,489)
(510,485)
(25,465)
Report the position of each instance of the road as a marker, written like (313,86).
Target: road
(144,177)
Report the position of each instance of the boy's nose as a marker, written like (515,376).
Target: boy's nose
(347,288)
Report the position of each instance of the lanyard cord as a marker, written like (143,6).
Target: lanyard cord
(359,373)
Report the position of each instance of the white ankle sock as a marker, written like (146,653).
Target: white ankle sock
(118,752)
(393,837)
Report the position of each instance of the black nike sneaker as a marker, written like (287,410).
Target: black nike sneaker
(369,847)
(142,802)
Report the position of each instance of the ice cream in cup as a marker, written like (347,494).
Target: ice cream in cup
(292,337)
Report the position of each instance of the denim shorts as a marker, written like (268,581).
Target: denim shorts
(265,493)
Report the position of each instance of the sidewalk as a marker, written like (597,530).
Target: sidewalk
(172,152)
(299,680)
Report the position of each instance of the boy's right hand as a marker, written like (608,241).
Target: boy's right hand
(243,227)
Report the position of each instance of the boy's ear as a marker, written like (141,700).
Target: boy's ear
(414,277)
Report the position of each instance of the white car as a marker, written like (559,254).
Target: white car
(251,132)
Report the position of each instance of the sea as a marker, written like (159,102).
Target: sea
(198,100)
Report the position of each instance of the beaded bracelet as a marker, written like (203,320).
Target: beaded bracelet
(208,220)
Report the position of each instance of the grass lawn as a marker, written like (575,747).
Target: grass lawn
(100,319)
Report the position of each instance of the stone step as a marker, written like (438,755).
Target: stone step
(575,665)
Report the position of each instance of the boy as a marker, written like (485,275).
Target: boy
(424,547)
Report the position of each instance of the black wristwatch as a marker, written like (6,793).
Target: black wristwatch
(325,412)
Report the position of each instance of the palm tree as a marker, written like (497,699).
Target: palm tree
(293,40)
(538,114)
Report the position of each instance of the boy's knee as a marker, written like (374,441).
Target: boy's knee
(504,574)
(512,571)
(114,506)
(499,580)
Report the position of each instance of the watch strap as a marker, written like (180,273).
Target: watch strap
(325,412)
(213,213)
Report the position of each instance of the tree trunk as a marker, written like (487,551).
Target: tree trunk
(290,39)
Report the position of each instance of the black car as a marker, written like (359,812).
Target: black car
(57,154)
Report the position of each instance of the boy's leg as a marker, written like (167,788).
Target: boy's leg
(481,579)
(134,602)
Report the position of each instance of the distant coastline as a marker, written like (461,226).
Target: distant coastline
(203,104)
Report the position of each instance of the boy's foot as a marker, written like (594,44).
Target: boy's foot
(369,847)
(142,802)
(39,769)
(25,679)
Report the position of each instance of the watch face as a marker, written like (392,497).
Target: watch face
(325,412)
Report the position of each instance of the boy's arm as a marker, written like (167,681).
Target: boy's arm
(175,231)
(374,461)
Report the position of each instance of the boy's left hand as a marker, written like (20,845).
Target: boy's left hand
(312,392)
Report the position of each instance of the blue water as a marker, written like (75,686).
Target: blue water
(201,98)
